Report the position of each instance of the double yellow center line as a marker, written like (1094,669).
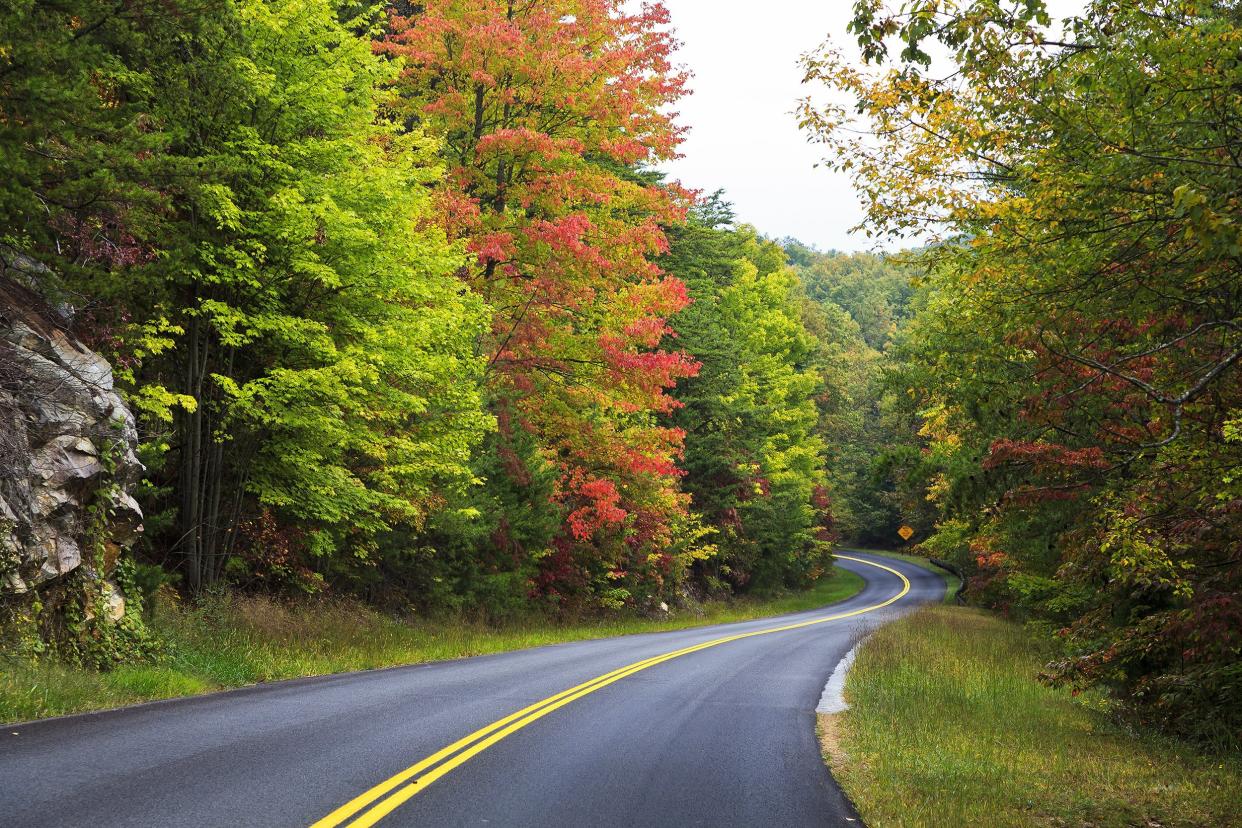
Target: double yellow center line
(387,796)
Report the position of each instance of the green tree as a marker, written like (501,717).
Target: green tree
(754,460)
(285,312)
(855,304)
(1076,365)
(874,290)
(74,142)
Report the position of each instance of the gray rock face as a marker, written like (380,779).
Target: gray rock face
(65,438)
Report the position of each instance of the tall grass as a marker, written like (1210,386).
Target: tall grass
(948,726)
(234,640)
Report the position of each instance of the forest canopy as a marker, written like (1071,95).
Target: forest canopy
(406,312)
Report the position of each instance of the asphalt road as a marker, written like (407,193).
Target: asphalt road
(719,736)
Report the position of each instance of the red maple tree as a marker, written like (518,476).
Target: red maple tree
(547,111)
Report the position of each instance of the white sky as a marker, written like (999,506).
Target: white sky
(743,135)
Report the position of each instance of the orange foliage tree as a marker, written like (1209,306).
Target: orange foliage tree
(547,112)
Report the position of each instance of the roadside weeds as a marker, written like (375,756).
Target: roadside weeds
(234,641)
(948,726)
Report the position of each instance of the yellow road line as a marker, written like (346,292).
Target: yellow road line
(480,740)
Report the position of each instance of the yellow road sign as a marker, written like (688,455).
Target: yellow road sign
(906,533)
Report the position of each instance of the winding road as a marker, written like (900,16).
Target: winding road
(710,726)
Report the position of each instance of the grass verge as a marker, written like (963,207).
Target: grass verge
(234,640)
(948,726)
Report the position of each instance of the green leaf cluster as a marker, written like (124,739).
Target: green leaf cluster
(285,310)
(754,457)
(1073,362)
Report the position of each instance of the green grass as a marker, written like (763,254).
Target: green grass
(235,640)
(948,726)
(951,581)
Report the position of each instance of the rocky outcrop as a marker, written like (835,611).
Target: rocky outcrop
(67,443)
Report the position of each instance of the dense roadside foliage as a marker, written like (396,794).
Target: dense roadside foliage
(754,461)
(261,266)
(232,639)
(405,312)
(544,112)
(1074,363)
(857,304)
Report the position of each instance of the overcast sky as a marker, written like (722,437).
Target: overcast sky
(743,134)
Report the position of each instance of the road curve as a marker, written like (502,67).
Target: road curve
(720,735)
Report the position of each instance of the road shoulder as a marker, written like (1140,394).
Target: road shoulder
(948,726)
